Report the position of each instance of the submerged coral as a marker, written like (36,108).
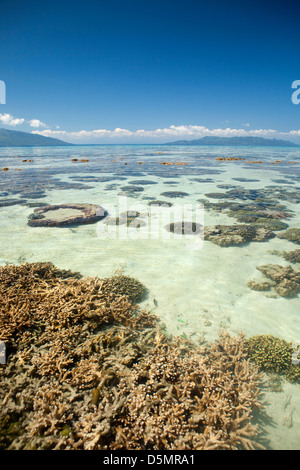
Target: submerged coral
(125,285)
(286,281)
(292,256)
(87,369)
(292,234)
(231,235)
(160,203)
(259,286)
(273,354)
(174,194)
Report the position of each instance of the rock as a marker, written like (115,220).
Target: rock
(230,235)
(259,286)
(63,215)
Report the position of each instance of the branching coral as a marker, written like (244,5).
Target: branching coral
(87,369)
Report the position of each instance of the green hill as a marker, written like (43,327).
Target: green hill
(248,141)
(25,139)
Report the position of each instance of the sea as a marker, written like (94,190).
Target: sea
(196,287)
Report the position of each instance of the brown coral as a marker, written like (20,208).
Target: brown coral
(285,280)
(62,215)
(88,370)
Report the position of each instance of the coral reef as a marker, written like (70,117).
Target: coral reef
(125,285)
(160,203)
(273,355)
(286,281)
(259,286)
(223,159)
(142,182)
(292,234)
(129,218)
(292,256)
(11,202)
(265,214)
(132,189)
(268,195)
(174,194)
(62,215)
(231,235)
(87,370)
(173,163)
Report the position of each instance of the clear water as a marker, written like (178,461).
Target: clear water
(195,290)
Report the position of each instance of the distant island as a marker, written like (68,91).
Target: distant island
(236,141)
(26,139)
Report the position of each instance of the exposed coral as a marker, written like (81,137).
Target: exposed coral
(88,370)
(173,163)
(221,159)
(231,235)
(273,354)
(62,215)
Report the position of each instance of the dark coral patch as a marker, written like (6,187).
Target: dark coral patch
(63,215)
(174,194)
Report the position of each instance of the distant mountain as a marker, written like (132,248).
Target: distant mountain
(249,141)
(23,139)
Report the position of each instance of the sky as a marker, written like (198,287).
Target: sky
(150,71)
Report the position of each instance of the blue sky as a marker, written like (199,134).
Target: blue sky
(150,71)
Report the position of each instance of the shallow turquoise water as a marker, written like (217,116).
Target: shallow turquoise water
(197,289)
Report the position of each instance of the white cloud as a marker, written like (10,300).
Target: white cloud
(36,123)
(9,120)
(172,132)
(165,134)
